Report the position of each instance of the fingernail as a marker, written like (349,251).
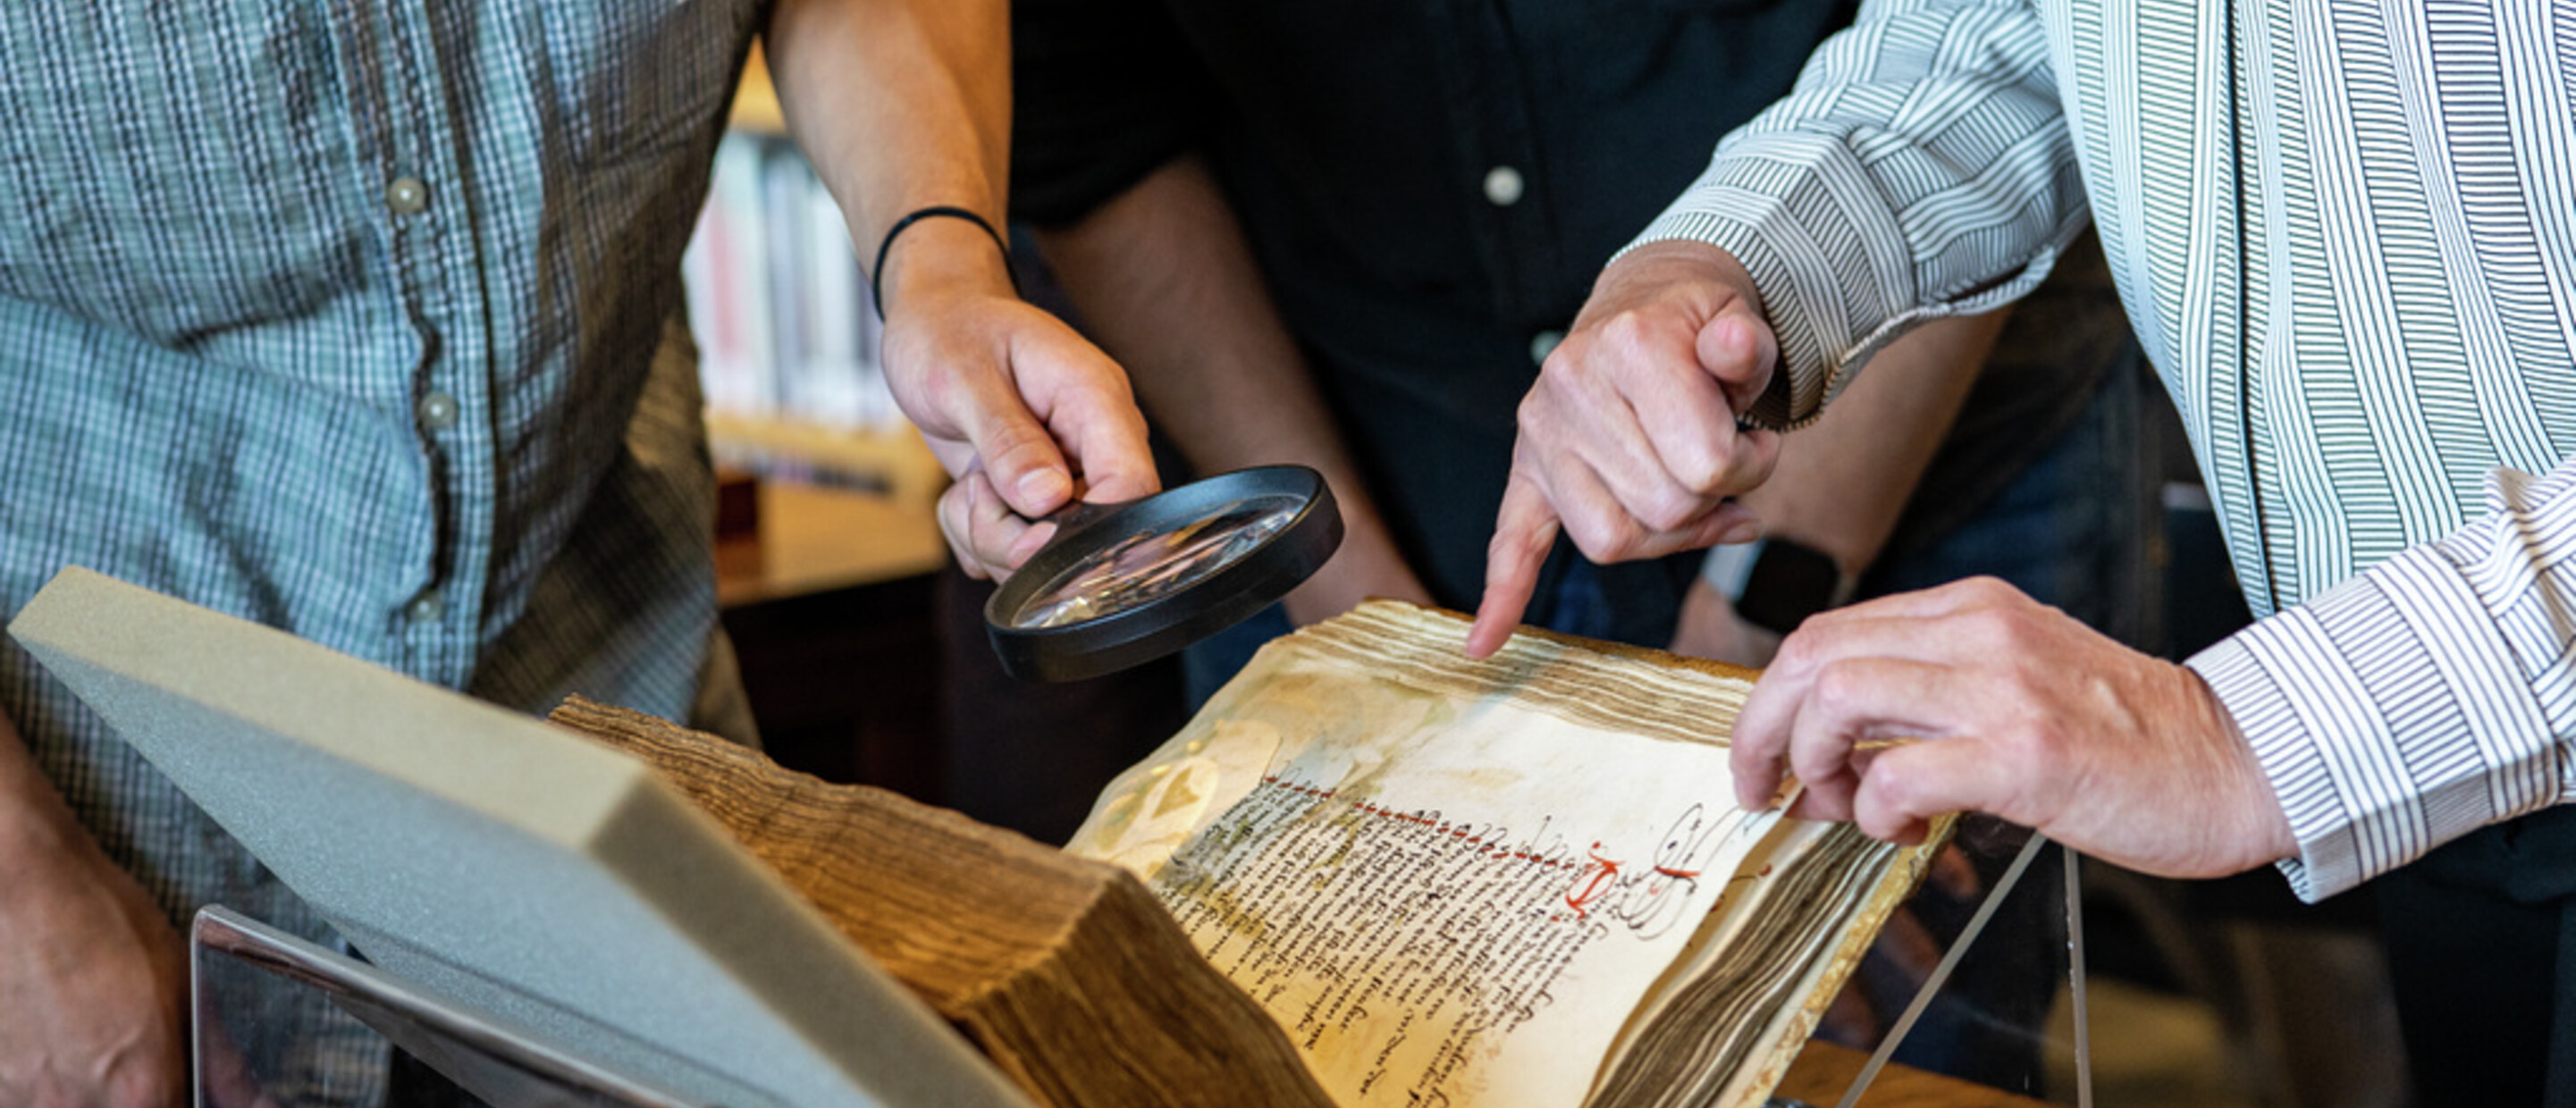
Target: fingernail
(1744,532)
(1043,486)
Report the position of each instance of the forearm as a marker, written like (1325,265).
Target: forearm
(1842,482)
(900,105)
(1164,279)
(1167,283)
(903,105)
(93,981)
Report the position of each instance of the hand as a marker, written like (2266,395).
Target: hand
(1024,412)
(93,980)
(1710,628)
(1972,696)
(1629,438)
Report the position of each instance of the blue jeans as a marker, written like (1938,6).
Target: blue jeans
(2072,529)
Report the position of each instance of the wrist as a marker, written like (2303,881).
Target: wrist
(1703,279)
(928,257)
(2267,832)
(1668,260)
(1709,627)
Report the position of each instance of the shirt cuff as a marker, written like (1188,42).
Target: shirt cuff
(2388,716)
(1833,269)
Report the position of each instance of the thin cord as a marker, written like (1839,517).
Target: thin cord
(2075,977)
(1940,974)
(876,275)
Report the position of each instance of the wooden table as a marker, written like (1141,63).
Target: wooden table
(815,540)
(1824,1070)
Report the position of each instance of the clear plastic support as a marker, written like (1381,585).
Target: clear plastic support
(1979,979)
(245,974)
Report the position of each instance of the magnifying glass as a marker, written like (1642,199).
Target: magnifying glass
(1124,584)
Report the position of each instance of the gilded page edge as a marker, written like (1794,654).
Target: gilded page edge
(1677,698)
(1769,1066)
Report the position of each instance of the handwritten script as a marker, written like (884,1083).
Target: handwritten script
(1402,949)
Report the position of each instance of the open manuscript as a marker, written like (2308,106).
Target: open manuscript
(1370,872)
(1511,883)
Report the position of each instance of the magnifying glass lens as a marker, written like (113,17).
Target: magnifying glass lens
(1123,584)
(1146,566)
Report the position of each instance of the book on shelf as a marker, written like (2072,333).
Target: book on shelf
(1370,872)
(785,323)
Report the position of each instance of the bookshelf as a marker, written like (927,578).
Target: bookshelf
(848,493)
(830,598)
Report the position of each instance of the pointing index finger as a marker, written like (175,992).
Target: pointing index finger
(1524,529)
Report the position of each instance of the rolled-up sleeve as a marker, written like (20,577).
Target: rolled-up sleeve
(1103,93)
(2422,700)
(1921,168)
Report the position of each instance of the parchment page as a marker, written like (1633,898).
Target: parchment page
(1445,897)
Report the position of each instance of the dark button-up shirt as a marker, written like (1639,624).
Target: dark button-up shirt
(1431,187)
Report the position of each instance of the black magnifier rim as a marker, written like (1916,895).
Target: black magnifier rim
(1164,624)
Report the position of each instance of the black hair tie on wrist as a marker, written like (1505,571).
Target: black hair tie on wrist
(876,285)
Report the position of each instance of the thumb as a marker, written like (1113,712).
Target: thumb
(1905,787)
(1739,350)
(1523,531)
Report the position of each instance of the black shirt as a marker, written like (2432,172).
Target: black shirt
(1430,187)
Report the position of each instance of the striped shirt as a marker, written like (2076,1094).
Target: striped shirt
(359,320)
(2345,231)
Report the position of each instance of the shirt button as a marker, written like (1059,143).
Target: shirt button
(407,196)
(1503,186)
(438,411)
(427,609)
(1543,344)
